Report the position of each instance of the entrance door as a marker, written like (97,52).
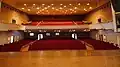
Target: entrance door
(40,36)
(74,36)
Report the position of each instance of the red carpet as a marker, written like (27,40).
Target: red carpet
(57,45)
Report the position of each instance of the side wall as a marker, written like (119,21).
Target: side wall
(5,37)
(6,16)
(104,12)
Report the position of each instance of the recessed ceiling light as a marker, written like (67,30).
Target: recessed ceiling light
(57,9)
(23,8)
(88,3)
(28,9)
(79,4)
(61,8)
(64,6)
(48,6)
(53,8)
(75,11)
(85,9)
(52,4)
(61,4)
(45,8)
(38,8)
(90,7)
(42,9)
(25,4)
(34,4)
(75,8)
(70,9)
(43,4)
(70,4)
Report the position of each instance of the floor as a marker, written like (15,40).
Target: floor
(63,58)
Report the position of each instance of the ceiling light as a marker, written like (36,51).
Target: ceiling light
(25,4)
(38,8)
(60,7)
(33,4)
(61,4)
(90,7)
(52,4)
(75,11)
(64,6)
(57,9)
(85,9)
(43,4)
(70,9)
(70,4)
(53,8)
(48,6)
(79,4)
(45,8)
(23,8)
(28,9)
(88,3)
(75,8)
(42,9)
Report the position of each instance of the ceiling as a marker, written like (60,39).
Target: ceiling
(56,7)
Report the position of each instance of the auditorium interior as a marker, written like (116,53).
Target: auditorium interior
(59,33)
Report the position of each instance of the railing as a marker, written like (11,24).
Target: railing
(26,47)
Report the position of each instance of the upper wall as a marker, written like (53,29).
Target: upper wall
(7,14)
(104,12)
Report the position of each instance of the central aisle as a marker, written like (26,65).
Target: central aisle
(57,45)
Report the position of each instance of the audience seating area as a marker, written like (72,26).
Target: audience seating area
(14,47)
(57,45)
(100,45)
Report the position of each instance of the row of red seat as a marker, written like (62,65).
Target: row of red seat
(57,45)
(100,45)
(13,47)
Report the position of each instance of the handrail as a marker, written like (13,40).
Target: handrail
(29,44)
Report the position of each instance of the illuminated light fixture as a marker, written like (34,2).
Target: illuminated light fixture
(33,4)
(70,9)
(53,8)
(57,9)
(31,34)
(43,4)
(23,8)
(61,8)
(45,8)
(90,7)
(75,8)
(52,4)
(88,4)
(42,9)
(79,4)
(28,9)
(38,8)
(64,6)
(85,9)
(61,4)
(57,34)
(48,6)
(75,11)
(70,4)
(25,4)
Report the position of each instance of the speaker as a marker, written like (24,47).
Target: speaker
(116,5)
